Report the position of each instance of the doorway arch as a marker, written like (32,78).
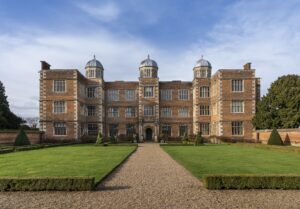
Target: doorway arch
(148,134)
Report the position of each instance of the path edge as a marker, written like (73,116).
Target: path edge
(115,168)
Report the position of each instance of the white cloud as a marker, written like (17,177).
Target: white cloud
(105,12)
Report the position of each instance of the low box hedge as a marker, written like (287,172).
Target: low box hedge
(252,182)
(47,183)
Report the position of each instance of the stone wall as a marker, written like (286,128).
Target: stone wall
(293,135)
(9,136)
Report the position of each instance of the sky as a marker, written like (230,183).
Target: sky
(121,33)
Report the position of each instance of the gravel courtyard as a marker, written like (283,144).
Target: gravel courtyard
(152,179)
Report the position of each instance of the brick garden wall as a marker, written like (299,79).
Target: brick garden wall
(9,136)
(293,135)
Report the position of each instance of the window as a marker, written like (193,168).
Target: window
(59,86)
(91,92)
(166,94)
(204,91)
(148,110)
(91,110)
(237,127)
(183,94)
(129,112)
(166,130)
(204,110)
(148,73)
(130,95)
(237,85)
(237,106)
(183,129)
(204,128)
(203,74)
(130,129)
(59,107)
(166,112)
(91,73)
(60,129)
(183,112)
(92,129)
(113,112)
(113,95)
(113,130)
(148,91)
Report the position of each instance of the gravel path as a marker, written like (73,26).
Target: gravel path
(151,179)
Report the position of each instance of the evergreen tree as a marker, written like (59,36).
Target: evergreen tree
(275,138)
(8,120)
(21,139)
(99,138)
(199,139)
(280,107)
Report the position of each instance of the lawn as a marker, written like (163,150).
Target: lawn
(234,159)
(73,160)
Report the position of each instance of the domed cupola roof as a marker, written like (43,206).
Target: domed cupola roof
(93,63)
(148,63)
(202,63)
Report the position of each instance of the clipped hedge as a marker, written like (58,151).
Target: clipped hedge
(252,182)
(47,183)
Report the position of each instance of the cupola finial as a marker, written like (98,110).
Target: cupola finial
(94,56)
(148,57)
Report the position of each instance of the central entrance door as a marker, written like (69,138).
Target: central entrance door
(148,134)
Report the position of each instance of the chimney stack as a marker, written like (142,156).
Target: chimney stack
(45,65)
(247,66)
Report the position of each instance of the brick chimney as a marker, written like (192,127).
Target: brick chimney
(45,65)
(247,66)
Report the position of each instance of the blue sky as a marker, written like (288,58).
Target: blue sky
(121,33)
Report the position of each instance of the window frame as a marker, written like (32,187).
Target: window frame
(234,107)
(64,127)
(181,95)
(148,94)
(235,129)
(235,87)
(55,108)
(149,110)
(56,87)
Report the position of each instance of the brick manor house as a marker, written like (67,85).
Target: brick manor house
(75,107)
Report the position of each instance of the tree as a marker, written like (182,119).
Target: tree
(99,138)
(280,107)
(275,138)
(8,120)
(199,139)
(21,139)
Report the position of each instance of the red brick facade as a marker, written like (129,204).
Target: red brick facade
(74,107)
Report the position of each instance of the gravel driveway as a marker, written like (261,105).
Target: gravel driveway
(152,179)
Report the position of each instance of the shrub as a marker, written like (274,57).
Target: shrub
(275,138)
(21,139)
(252,182)
(185,138)
(199,139)
(112,139)
(99,138)
(47,183)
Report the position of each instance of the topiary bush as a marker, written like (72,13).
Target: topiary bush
(99,138)
(275,138)
(199,139)
(21,139)
(185,138)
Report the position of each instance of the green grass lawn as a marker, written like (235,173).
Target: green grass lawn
(234,159)
(73,160)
